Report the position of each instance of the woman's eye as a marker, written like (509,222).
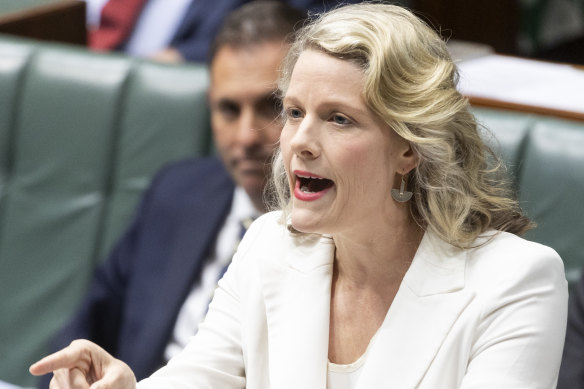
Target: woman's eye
(338,119)
(294,113)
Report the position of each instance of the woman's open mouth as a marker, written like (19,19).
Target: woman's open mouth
(311,187)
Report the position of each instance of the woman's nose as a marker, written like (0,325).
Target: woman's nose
(304,142)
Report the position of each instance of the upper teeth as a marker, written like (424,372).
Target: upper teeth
(311,177)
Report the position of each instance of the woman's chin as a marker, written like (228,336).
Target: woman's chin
(306,222)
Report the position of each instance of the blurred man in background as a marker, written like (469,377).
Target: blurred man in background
(168,30)
(148,297)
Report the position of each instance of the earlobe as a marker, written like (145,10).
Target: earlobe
(409,160)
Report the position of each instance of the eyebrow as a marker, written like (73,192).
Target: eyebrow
(223,102)
(269,97)
(271,100)
(272,95)
(332,103)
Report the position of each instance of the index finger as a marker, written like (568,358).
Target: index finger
(67,358)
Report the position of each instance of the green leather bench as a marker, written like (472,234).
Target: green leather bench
(81,134)
(545,156)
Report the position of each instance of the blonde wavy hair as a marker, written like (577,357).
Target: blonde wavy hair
(459,184)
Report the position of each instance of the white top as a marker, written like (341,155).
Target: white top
(347,376)
(344,376)
(156,26)
(195,306)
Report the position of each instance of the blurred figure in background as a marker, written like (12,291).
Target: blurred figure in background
(572,369)
(147,299)
(169,30)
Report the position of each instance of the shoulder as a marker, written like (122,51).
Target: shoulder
(504,258)
(180,185)
(192,167)
(509,250)
(191,173)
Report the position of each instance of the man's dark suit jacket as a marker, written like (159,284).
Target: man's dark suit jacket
(572,369)
(203,19)
(136,294)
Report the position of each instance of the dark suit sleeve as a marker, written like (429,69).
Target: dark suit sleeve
(199,25)
(319,5)
(204,18)
(572,369)
(99,316)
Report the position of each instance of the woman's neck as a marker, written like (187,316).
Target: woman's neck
(367,274)
(378,255)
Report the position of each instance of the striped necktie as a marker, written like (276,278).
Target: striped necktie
(243,226)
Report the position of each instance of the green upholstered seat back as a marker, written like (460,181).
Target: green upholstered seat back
(552,189)
(81,135)
(506,133)
(546,158)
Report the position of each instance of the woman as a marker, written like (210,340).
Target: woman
(395,260)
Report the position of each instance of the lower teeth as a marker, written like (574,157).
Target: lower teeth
(306,190)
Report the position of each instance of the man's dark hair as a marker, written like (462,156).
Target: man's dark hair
(257,22)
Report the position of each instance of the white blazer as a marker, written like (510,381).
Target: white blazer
(489,317)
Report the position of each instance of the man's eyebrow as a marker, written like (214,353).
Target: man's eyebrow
(269,96)
(226,100)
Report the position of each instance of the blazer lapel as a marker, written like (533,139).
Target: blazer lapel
(297,299)
(430,299)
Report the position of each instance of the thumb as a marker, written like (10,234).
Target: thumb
(118,375)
